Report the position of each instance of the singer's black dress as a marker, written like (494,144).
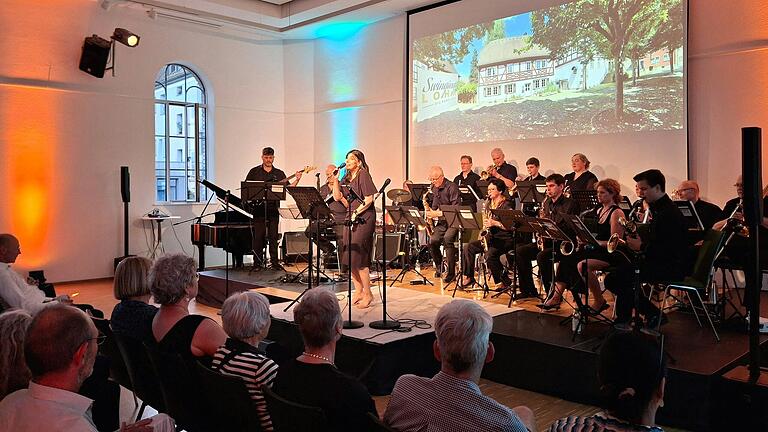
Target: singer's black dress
(362,232)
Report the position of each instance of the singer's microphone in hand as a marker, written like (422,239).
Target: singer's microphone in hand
(384,186)
(341,165)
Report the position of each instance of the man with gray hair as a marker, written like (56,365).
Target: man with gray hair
(312,378)
(245,317)
(15,291)
(60,349)
(444,193)
(452,400)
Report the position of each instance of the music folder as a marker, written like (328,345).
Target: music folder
(692,219)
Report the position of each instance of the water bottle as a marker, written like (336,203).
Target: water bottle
(576,325)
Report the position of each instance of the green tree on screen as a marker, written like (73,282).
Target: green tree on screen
(473,69)
(449,47)
(669,33)
(497,32)
(608,27)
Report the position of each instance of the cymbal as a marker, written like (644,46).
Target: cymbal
(399,195)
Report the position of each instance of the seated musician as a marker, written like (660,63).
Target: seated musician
(663,251)
(555,204)
(639,212)
(467,177)
(267,172)
(499,241)
(605,221)
(444,192)
(732,220)
(338,214)
(708,213)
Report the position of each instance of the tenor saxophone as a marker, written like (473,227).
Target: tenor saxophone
(428,226)
(484,233)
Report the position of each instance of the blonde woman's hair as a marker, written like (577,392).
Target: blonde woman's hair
(131,278)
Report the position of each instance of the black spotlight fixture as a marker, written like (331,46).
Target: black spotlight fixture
(96,51)
(125,37)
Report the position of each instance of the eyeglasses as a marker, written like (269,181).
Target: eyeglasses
(99,339)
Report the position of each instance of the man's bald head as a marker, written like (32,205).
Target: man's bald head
(688,191)
(497,155)
(9,248)
(330,169)
(436,175)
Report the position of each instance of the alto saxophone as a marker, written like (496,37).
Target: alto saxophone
(427,209)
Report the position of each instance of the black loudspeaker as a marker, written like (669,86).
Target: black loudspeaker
(395,245)
(125,184)
(95,55)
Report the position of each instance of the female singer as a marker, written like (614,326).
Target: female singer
(499,241)
(358,178)
(571,269)
(581,178)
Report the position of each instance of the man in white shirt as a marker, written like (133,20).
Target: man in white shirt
(60,349)
(452,400)
(15,291)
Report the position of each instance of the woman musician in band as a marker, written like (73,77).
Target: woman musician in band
(581,178)
(499,241)
(571,269)
(358,178)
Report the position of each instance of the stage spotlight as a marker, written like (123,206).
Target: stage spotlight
(125,37)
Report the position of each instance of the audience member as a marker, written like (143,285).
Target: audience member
(60,349)
(245,317)
(452,400)
(173,284)
(133,317)
(312,378)
(14,373)
(17,292)
(631,373)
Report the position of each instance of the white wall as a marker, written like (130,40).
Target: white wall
(64,134)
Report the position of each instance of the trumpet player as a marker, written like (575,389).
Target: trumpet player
(496,240)
(444,192)
(553,207)
(502,170)
(663,248)
(733,215)
(571,270)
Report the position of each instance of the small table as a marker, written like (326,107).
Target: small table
(159,240)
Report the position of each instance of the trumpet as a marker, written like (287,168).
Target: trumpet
(736,225)
(483,175)
(614,242)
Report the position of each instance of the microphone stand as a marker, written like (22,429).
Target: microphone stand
(226,251)
(349,323)
(384,323)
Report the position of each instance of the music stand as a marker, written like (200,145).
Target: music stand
(586,199)
(311,206)
(692,219)
(461,218)
(547,228)
(407,215)
(481,187)
(417,193)
(468,195)
(261,191)
(514,221)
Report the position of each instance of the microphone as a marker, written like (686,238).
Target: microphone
(341,165)
(384,186)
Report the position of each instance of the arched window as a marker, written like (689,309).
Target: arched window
(181,139)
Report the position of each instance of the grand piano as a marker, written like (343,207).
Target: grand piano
(235,224)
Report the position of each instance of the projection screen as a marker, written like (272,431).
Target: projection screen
(547,79)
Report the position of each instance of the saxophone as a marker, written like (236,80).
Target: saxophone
(484,233)
(428,225)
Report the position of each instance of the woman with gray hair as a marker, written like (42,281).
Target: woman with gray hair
(15,373)
(246,320)
(173,283)
(312,378)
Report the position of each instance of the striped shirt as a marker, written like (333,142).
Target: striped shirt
(254,368)
(446,403)
(598,423)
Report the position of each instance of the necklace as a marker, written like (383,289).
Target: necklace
(319,357)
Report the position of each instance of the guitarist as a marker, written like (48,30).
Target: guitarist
(267,172)
(444,192)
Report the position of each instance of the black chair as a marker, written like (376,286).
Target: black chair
(290,416)
(228,394)
(146,385)
(376,425)
(701,278)
(118,371)
(184,400)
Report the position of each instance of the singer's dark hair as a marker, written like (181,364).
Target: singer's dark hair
(361,157)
